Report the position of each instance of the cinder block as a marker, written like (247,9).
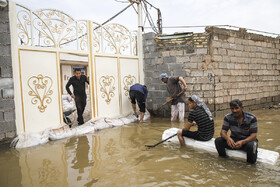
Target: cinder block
(7,126)
(10,134)
(6,71)
(6,83)
(7,104)
(176,53)
(175,67)
(202,51)
(162,68)
(190,65)
(216,44)
(196,59)
(5,60)
(1,116)
(165,53)
(182,59)
(4,27)
(197,73)
(217,58)
(5,49)
(232,46)
(8,93)
(169,59)
(181,73)
(150,42)
(5,38)
(222,51)
(148,36)
(207,87)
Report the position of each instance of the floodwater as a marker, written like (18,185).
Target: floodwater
(117,157)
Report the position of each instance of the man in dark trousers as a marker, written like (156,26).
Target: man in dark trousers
(243,127)
(78,81)
(138,93)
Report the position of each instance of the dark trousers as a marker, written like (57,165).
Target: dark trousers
(139,97)
(251,148)
(81,102)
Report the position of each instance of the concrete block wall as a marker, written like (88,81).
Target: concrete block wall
(7,107)
(191,62)
(247,66)
(227,65)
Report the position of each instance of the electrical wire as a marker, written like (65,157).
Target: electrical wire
(149,17)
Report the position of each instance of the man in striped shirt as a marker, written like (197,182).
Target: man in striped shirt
(243,127)
(200,116)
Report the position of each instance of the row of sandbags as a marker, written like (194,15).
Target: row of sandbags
(31,139)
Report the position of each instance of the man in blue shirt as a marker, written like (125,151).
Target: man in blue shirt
(243,127)
(138,93)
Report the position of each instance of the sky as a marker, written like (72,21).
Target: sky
(262,15)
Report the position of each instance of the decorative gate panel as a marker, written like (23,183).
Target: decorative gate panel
(129,76)
(107,85)
(40,90)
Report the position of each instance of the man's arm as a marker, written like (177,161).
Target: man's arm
(229,140)
(181,79)
(250,138)
(188,126)
(87,80)
(69,83)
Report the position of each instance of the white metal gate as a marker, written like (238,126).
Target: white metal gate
(40,41)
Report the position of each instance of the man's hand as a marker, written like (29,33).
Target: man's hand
(238,144)
(185,89)
(230,142)
(73,96)
(169,99)
(136,115)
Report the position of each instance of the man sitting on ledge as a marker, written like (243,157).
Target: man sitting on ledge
(243,127)
(200,116)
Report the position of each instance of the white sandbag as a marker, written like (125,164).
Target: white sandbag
(60,133)
(129,119)
(100,124)
(68,103)
(87,128)
(147,115)
(30,139)
(264,156)
(114,122)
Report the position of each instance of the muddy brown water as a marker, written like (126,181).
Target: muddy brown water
(117,157)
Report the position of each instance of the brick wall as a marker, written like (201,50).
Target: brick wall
(7,108)
(218,65)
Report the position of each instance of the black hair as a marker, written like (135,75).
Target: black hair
(235,102)
(77,69)
(191,100)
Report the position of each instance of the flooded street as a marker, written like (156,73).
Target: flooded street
(117,157)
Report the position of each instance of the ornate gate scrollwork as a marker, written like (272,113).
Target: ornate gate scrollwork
(107,89)
(40,89)
(128,81)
